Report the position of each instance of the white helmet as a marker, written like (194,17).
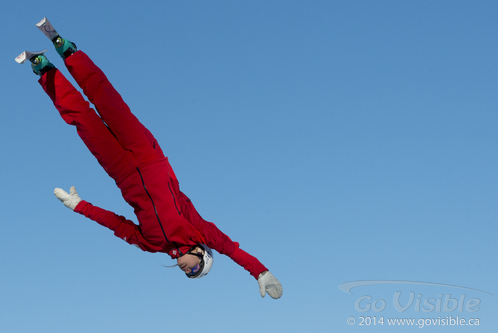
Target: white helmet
(204,266)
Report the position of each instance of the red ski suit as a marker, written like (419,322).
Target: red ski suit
(129,153)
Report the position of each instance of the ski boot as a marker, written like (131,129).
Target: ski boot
(64,47)
(40,64)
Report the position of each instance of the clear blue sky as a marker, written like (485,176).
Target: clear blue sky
(335,140)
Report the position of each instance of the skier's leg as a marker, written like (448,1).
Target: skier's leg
(131,134)
(73,108)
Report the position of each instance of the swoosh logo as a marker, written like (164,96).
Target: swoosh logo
(346,287)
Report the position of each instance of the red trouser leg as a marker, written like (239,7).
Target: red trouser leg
(130,133)
(76,111)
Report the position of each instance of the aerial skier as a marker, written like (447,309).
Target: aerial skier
(129,153)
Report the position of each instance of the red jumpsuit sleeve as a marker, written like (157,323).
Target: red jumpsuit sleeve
(220,242)
(209,234)
(250,263)
(123,228)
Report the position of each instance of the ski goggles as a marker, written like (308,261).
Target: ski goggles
(198,268)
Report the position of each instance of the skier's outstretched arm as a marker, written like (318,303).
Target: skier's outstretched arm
(219,241)
(267,282)
(123,228)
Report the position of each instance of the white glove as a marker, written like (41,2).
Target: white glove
(269,284)
(70,200)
